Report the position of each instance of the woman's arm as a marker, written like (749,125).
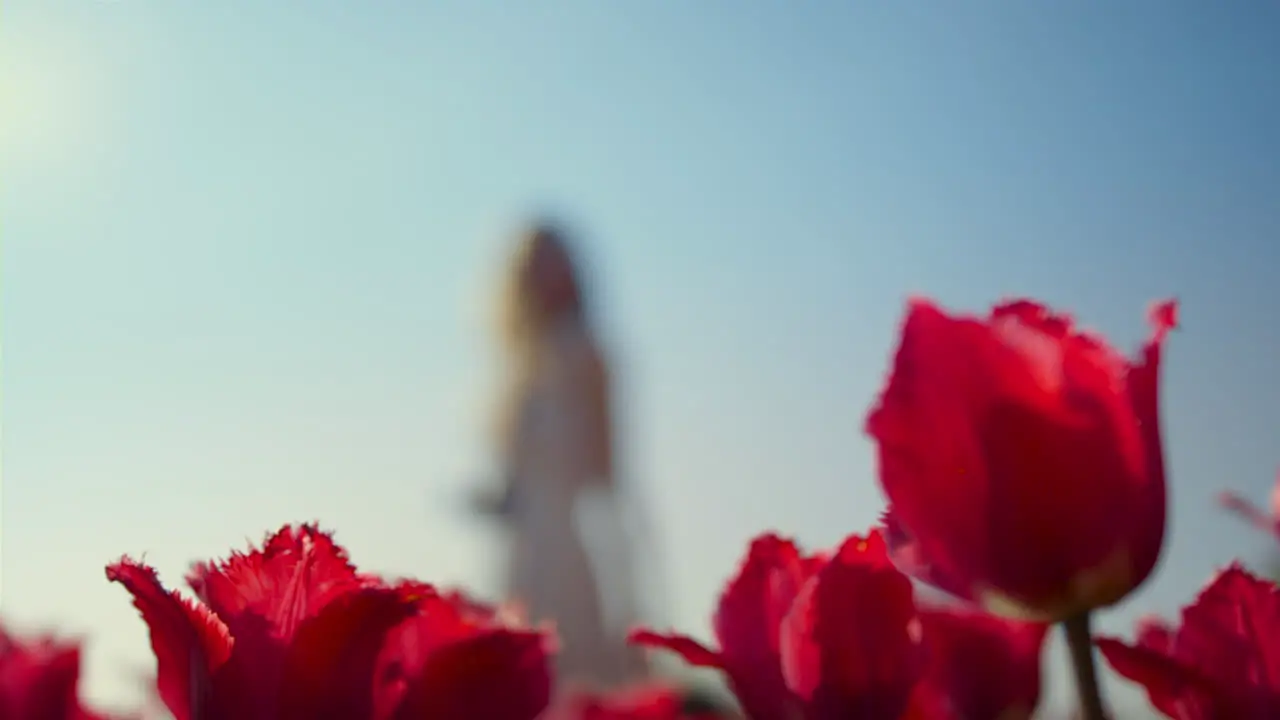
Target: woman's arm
(494,502)
(496,497)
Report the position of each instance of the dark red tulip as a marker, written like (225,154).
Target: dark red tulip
(850,644)
(1267,521)
(457,659)
(1222,661)
(1023,458)
(293,632)
(980,666)
(502,675)
(39,680)
(286,632)
(813,638)
(747,627)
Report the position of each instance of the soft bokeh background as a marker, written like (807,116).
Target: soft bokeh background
(246,247)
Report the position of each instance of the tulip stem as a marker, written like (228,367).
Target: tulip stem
(1080,643)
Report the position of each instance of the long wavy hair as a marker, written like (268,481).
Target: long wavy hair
(527,305)
(540,289)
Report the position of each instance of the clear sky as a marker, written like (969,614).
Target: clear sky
(246,245)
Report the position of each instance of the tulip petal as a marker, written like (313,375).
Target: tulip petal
(1154,634)
(929,461)
(1142,384)
(1221,660)
(263,597)
(189,642)
(908,556)
(850,645)
(438,621)
(689,650)
(984,666)
(39,679)
(469,607)
(748,621)
(297,572)
(1172,688)
(1231,628)
(501,674)
(1066,470)
(329,671)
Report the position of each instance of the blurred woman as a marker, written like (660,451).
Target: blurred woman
(555,437)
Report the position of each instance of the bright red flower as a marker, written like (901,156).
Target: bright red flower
(813,638)
(286,632)
(293,632)
(457,659)
(1023,457)
(39,680)
(1223,661)
(748,625)
(1266,520)
(850,645)
(980,666)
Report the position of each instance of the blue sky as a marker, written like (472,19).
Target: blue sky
(246,247)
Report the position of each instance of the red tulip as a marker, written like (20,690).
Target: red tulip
(850,644)
(813,638)
(980,666)
(908,557)
(39,680)
(1223,661)
(1023,457)
(293,632)
(276,636)
(1266,520)
(747,626)
(456,659)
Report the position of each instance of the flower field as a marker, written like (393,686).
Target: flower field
(1023,468)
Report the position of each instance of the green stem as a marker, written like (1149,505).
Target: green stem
(1080,643)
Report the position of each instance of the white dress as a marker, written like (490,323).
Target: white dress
(551,573)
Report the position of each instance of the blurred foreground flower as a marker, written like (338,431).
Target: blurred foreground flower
(827,639)
(39,681)
(1222,661)
(293,632)
(459,659)
(748,627)
(980,666)
(1022,459)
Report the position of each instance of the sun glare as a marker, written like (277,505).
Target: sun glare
(51,101)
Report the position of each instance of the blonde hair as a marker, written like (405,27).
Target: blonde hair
(523,313)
